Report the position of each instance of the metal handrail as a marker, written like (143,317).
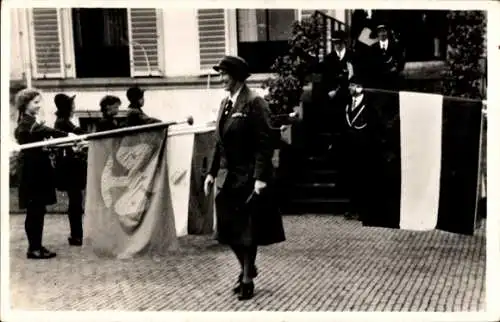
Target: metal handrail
(329,25)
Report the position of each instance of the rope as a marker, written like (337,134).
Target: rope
(463,99)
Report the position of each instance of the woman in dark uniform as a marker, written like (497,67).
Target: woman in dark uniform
(109,108)
(36,173)
(247,214)
(71,170)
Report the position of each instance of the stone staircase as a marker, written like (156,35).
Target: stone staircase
(315,183)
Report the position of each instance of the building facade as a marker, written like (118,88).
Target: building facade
(169,52)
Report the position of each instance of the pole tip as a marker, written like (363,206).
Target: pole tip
(190,120)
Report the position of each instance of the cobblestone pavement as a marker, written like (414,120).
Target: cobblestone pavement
(327,264)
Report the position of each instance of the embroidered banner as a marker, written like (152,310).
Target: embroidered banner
(128,208)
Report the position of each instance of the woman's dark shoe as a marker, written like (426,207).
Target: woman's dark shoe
(48,252)
(247,291)
(75,241)
(351,216)
(253,274)
(237,287)
(42,253)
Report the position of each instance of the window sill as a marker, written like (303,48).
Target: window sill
(413,70)
(185,82)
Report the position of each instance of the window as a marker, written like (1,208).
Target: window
(103,42)
(263,36)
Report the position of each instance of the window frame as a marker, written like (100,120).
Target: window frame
(297,17)
(236,41)
(67,47)
(68,43)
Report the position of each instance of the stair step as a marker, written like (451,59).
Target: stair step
(319,158)
(319,200)
(321,145)
(323,160)
(315,190)
(324,134)
(316,206)
(316,158)
(324,171)
(317,185)
(319,176)
(330,173)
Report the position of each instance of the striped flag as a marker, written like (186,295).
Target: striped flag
(424,170)
(187,156)
(201,208)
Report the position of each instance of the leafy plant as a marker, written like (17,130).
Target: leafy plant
(291,70)
(466,48)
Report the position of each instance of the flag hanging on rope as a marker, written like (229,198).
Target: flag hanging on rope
(201,208)
(188,151)
(128,207)
(425,160)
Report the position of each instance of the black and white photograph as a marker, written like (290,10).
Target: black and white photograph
(220,157)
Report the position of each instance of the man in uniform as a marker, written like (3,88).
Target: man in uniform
(386,61)
(356,149)
(336,69)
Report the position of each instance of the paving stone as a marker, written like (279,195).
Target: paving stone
(327,264)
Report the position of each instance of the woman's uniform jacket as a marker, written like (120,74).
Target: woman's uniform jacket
(36,171)
(243,154)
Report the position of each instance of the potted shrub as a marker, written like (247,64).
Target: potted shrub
(466,73)
(284,90)
(291,70)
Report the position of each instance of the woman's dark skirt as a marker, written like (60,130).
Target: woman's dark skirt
(254,221)
(36,179)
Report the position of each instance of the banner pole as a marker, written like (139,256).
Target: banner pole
(99,135)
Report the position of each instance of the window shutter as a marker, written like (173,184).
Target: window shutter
(46,43)
(143,41)
(212,36)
